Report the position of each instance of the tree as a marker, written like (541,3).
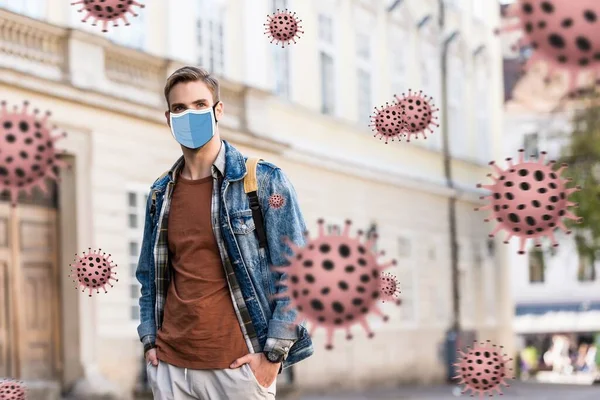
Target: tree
(582,154)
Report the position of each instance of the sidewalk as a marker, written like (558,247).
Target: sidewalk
(530,391)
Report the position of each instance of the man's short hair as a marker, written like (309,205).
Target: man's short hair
(193,74)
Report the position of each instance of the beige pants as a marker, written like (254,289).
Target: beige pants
(173,383)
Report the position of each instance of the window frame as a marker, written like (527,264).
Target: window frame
(327,48)
(135,235)
(281,59)
(211,37)
(37,9)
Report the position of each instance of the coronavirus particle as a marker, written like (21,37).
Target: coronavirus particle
(483,369)
(283,27)
(334,281)
(562,33)
(108,11)
(93,271)
(27,152)
(387,123)
(529,200)
(12,390)
(390,288)
(276,201)
(416,112)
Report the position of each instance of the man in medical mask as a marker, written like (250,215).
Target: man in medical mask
(209,324)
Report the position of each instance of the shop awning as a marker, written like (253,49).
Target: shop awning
(580,317)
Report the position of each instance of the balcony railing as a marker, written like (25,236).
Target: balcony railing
(83,59)
(95,65)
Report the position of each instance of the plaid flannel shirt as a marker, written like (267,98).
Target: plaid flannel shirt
(163,270)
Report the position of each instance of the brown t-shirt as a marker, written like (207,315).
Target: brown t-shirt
(200,328)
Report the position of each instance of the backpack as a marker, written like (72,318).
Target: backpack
(251,190)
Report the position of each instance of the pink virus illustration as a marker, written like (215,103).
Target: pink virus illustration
(529,200)
(334,281)
(483,369)
(390,288)
(12,390)
(416,112)
(93,271)
(108,11)
(387,123)
(276,201)
(283,27)
(27,152)
(562,33)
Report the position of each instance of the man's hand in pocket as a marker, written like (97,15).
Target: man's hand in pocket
(151,357)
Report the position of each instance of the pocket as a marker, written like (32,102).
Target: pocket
(242,222)
(253,378)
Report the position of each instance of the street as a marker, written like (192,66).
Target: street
(516,391)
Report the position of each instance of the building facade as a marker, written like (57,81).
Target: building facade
(305,108)
(555,290)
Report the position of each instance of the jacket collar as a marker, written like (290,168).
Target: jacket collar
(229,162)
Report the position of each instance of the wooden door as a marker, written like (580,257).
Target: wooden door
(30,340)
(6,353)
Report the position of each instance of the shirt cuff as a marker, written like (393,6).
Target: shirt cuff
(281,346)
(149,342)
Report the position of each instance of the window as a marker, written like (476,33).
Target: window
(587,268)
(482,114)
(210,39)
(467,301)
(479,7)
(429,66)
(136,210)
(31,8)
(325,29)
(327,84)
(537,265)
(531,145)
(456,108)
(455,3)
(398,40)
(281,59)
(407,276)
(327,64)
(364,96)
(134,36)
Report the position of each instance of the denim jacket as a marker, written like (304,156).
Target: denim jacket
(254,283)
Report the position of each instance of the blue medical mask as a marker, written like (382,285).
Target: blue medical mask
(194,128)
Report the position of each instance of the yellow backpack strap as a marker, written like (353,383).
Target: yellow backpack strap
(250,181)
(251,189)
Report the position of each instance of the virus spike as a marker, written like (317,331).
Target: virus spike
(328,275)
(93,271)
(348,334)
(11,389)
(529,199)
(329,342)
(497,229)
(22,169)
(108,11)
(563,34)
(283,27)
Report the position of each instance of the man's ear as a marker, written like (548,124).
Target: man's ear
(167,115)
(219,110)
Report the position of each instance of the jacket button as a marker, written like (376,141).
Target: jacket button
(244,226)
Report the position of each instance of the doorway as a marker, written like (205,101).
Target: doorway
(29,287)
